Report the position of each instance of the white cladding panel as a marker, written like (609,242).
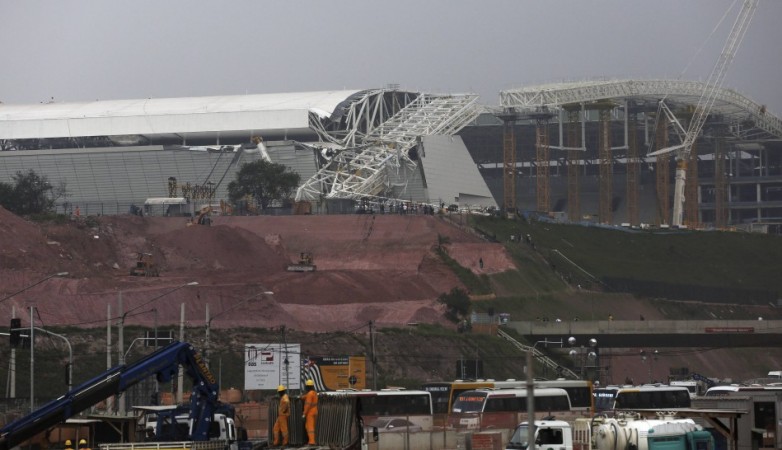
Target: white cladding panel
(451,174)
(163,116)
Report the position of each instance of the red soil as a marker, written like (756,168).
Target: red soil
(379,268)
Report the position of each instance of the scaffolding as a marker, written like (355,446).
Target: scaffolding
(542,161)
(633,172)
(720,185)
(605,161)
(574,157)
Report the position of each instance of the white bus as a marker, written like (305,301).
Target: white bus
(444,393)
(648,396)
(506,408)
(415,406)
(735,389)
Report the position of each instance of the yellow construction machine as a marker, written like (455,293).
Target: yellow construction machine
(203,217)
(305,264)
(145,266)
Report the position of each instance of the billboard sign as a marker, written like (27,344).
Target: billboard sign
(268,365)
(331,373)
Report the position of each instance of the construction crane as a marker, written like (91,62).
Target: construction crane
(703,108)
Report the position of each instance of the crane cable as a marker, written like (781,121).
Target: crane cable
(708,38)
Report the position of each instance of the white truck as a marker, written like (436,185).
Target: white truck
(549,435)
(631,431)
(666,433)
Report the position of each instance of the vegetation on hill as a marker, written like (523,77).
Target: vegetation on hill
(552,263)
(710,266)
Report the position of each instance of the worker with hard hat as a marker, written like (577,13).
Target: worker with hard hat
(283,413)
(310,415)
(68,444)
(83,444)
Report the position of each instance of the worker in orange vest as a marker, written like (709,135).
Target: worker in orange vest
(310,415)
(283,413)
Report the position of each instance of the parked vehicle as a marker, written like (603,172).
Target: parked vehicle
(394,424)
(547,434)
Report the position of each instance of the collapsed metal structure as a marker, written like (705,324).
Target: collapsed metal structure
(377,133)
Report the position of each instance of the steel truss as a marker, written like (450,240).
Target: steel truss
(747,119)
(378,132)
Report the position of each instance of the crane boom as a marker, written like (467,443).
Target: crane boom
(164,364)
(705,103)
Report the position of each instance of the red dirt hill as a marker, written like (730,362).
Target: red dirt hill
(379,268)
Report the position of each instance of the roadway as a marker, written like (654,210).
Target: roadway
(656,333)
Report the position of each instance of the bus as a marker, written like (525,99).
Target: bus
(581,393)
(506,408)
(444,393)
(648,396)
(441,395)
(413,405)
(735,389)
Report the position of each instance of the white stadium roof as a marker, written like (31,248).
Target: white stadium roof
(285,113)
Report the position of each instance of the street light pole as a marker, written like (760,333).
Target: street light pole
(192,283)
(58,274)
(210,319)
(531,388)
(584,357)
(70,354)
(121,339)
(32,363)
(13,351)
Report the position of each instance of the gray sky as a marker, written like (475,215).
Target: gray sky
(87,50)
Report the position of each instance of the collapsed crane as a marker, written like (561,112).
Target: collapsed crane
(703,108)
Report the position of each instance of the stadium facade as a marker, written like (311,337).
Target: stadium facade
(580,150)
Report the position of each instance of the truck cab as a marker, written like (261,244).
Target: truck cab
(172,423)
(549,435)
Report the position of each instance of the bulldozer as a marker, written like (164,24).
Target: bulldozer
(145,266)
(305,264)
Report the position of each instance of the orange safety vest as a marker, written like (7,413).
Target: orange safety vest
(310,402)
(284,410)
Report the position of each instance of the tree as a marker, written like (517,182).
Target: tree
(457,304)
(264,181)
(30,193)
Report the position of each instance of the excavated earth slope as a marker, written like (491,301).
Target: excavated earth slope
(380,268)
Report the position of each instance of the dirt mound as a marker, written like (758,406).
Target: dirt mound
(379,268)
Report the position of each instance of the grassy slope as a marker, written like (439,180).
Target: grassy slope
(408,356)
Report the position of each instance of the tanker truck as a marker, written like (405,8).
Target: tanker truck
(632,432)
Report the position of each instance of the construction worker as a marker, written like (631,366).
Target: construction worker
(283,413)
(83,444)
(68,444)
(310,415)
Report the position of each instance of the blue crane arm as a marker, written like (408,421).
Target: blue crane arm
(164,364)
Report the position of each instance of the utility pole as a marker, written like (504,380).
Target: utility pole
(372,355)
(32,362)
(181,378)
(121,348)
(109,400)
(12,363)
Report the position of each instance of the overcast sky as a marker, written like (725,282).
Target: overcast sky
(88,50)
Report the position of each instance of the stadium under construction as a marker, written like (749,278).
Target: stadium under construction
(587,151)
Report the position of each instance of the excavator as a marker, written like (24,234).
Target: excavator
(203,217)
